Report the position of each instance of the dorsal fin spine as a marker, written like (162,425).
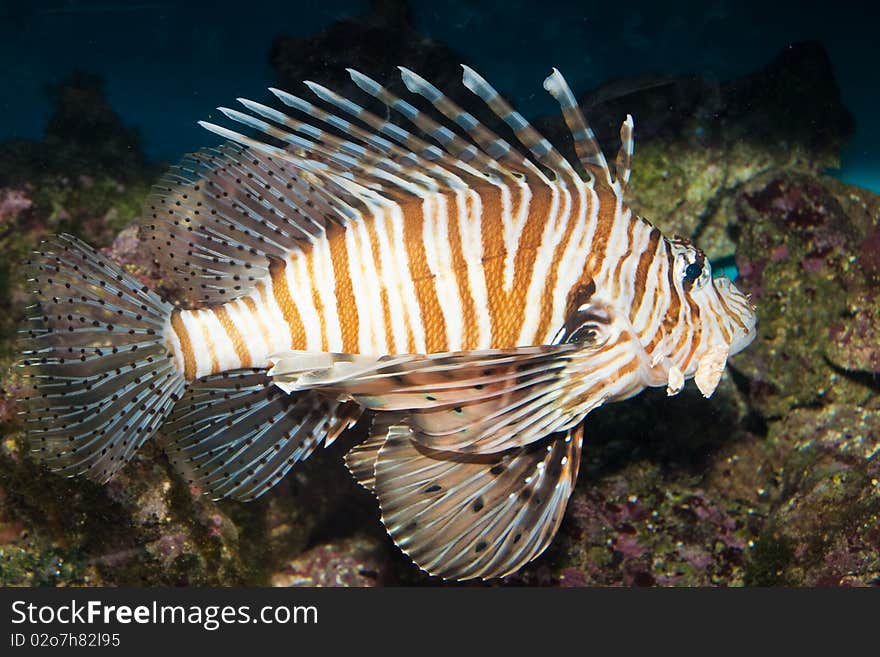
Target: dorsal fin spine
(493,146)
(423,154)
(362,155)
(527,135)
(452,143)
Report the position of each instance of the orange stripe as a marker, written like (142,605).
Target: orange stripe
(261,325)
(199,318)
(459,270)
(346,304)
(547,296)
(641,277)
(281,292)
(189,357)
(426,295)
(507,309)
(241,350)
(533,233)
(316,298)
(494,253)
(604,226)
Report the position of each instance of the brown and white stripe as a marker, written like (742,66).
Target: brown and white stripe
(475,248)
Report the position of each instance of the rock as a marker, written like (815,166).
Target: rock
(797,258)
(357,561)
(824,527)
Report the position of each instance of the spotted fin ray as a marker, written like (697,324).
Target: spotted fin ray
(236,435)
(217,218)
(361,459)
(475,516)
(99,380)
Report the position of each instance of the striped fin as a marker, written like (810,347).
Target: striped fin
(215,220)
(463,517)
(493,146)
(361,459)
(364,157)
(538,145)
(371,172)
(373,140)
(412,160)
(422,163)
(237,435)
(427,157)
(587,148)
(481,401)
(452,143)
(99,377)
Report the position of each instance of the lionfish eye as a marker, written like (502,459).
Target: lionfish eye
(693,271)
(584,333)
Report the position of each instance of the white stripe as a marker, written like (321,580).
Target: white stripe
(390,278)
(513,227)
(627,289)
(325,277)
(405,282)
(439,258)
(573,259)
(270,311)
(224,350)
(364,274)
(300,288)
(193,327)
(557,219)
(470,228)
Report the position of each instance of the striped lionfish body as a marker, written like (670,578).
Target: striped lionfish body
(479,299)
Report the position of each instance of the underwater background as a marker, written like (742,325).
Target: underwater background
(757,135)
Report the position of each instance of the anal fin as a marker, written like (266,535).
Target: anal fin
(236,435)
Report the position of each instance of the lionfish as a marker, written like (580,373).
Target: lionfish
(478,298)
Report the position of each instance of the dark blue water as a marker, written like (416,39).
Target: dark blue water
(166,65)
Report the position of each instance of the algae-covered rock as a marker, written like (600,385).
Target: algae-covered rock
(824,527)
(816,305)
(358,561)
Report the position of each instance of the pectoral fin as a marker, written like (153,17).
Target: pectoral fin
(465,516)
(478,401)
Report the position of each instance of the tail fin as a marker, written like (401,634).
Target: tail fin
(100,379)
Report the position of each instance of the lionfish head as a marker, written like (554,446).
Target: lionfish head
(722,320)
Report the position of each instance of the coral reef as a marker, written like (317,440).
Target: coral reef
(775,480)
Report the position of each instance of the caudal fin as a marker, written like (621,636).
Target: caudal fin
(99,377)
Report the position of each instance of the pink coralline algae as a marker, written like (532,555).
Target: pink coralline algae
(12,203)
